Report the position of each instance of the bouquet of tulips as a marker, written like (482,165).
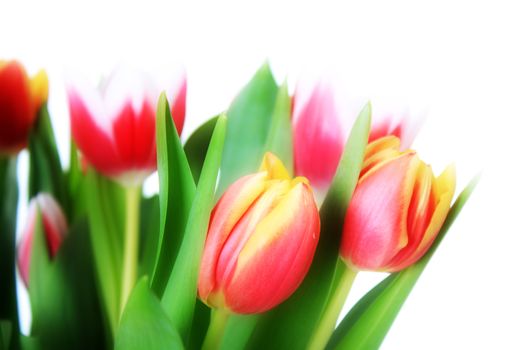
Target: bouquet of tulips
(263,219)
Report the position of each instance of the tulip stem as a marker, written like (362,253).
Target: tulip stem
(219,319)
(131,243)
(328,320)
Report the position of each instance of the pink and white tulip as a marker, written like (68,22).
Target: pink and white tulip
(320,135)
(114,126)
(54,225)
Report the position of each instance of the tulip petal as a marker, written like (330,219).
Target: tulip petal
(16,107)
(227,212)
(375,226)
(178,106)
(96,145)
(274,167)
(39,89)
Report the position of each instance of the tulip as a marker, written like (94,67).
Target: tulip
(20,99)
(397,209)
(261,241)
(318,132)
(54,225)
(114,127)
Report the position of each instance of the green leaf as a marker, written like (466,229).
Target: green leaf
(197,145)
(367,324)
(105,204)
(66,312)
(144,323)
(292,323)
(177,190)
(5,334)
(45,173)
(180,295)
(8,214)
(149,234)
(279,140)
(249,119)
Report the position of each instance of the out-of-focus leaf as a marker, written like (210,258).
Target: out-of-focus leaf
(65,309)
(249,119)
(144,323)
(290,325)
(8,213)
(45,173)
(199,328)
(149,234)
(5,334)
(197,145)
(367,324)
(279,140)
(105,204)
(178,301)
(177,191)
(75,178)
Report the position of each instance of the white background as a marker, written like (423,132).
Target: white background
(461,62)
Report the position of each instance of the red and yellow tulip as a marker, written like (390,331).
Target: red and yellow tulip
(54,225)
(20,99)
(261,241)
(397,209)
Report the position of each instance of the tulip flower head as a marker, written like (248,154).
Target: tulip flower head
(261,241)
(20,99)
(114,127)
(54,225)
(319,138)
(397,209)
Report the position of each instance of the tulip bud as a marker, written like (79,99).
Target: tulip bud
(20,99)
(114,127)
(54,225)
(397,209)
(261,241)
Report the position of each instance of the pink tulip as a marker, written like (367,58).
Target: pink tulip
(114,127)
(319,135)
(397,209)
(261,241)
(55,229)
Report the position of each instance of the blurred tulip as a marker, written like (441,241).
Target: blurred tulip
(55,229)
(319,138)
(114,127)
(20,99)
(397,209)
(261,241)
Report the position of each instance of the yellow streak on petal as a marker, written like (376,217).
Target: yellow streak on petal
(445,186)
(272,226)
(274,167)
(2,64)
(381,144)
(39,88)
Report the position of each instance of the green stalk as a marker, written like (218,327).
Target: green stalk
(328,320)
(219,319)
(131,244)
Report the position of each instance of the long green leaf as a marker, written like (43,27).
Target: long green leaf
(177,190)
(180,295)
(45,174)
(6,329)
(279,140)
(197,145)
(144,323)
(66,312)
(149,234)
(292,323)
(367,324)
(249,118)
(8,214)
